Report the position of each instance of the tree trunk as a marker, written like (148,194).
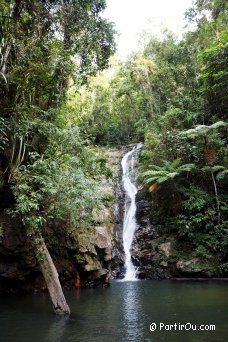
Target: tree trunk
(50,275)
(5,59)
(216,196)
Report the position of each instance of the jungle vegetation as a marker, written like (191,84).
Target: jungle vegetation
(172,96)
(62,98)
(47,170)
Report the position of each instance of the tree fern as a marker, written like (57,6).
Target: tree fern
(222,174)
(169,170)
(202,130)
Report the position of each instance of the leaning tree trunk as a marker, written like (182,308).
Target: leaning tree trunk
(216,196)
(50,274)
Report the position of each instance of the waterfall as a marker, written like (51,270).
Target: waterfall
(129,222)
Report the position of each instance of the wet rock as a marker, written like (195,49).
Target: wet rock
(117,260)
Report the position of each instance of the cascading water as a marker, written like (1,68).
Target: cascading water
(129,222)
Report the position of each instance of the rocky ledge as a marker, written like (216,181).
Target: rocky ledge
(156,255)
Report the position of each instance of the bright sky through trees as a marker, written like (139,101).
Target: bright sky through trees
(132,17)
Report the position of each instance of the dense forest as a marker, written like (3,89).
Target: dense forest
(172,95)
(65,98)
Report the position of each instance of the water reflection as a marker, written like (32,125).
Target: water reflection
(121,313)
(132,313)
(57,329)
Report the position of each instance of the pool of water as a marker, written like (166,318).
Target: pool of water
(123,312)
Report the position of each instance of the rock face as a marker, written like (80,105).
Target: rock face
(83,258)
(189,266)
(165,249)
(146,256)
(16,256)
(146,240)
(154,254)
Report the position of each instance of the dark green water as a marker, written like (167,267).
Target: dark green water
(122,313)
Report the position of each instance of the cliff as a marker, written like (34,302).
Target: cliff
(162,254)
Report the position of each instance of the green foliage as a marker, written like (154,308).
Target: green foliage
(224,267)
(214,79)
(222,175)
(172,96)
(45,47)
(168,171)
(203,130)
(202,252)
(56,101)
(60,185)
(198,222)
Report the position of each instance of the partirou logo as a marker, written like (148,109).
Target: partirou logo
(185,327)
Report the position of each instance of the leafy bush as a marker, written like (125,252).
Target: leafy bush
(198,222)
(59,185)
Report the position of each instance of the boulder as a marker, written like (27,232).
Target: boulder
(98,274)
(86,243)
(108,254)
(189,266)
(163,263)
(103,239)
(165,249)
(92,264)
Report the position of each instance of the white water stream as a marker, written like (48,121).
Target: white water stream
(129,222)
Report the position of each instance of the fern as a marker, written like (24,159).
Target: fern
(202,129)
(161,174)
(221,175)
